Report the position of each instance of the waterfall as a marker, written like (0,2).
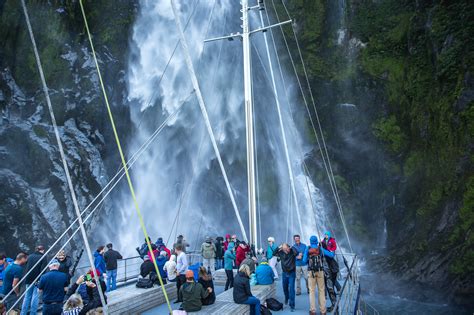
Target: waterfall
(179,170)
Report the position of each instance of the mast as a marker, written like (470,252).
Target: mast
(245,36)
(252,204)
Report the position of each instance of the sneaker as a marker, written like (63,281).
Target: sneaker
(286,301)
(298,293)
(292,309)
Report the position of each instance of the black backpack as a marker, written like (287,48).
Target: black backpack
(144,283)
(274,304)
(315,260)
(264,310)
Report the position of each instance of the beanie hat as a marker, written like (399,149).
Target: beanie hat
(54,262)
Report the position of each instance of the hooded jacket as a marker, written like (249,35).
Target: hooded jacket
(219,247)
(264,274)
(270,250)
(191,294)
(170,268)
(161,261)
(208,250)
(240,254)
(226,243)
(313,243)
(229,257)
(99,262)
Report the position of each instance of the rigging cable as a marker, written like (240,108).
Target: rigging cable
(122,156)
(282,128)
(130,163)
(331,178)
(205,114)
(63,157)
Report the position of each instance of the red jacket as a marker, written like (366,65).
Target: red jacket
(168,252)
(226,243)
(240,254)
(330,244)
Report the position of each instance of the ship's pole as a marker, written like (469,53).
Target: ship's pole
(249,124)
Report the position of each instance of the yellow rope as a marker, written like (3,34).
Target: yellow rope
(130,185)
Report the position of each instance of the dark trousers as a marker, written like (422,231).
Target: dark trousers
(53,309)
(230,279)
(180,280)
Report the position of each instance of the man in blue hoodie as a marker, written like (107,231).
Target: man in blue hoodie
(313,256)
(264,273)
(301,268)
(99,261)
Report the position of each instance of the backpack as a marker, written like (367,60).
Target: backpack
(273,304)
(315,260)
(264,310)
(144,283)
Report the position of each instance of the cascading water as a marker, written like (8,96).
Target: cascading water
(179,172)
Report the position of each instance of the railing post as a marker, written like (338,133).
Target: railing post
(125,278)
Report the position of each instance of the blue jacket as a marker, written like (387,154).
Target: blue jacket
(314,244)
(229,257)
(264,274)
(301,250)
(160,261)
(99,262)
(270,250)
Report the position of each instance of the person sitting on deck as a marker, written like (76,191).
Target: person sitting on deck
(146,267)
(192,293)
(161,261)
(250,261)
(287,256)
(264,273)
(205,280)
(170,268)
(229,258)
(74,303)
(242,293)
(162,247)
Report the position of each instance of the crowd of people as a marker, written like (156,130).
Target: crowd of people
(39,279)
(314,265)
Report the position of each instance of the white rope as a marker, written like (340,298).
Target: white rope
(202,106)
(63,158)
(325,163)
(282,129)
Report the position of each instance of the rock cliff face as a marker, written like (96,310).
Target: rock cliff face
(395,90)
(35,203)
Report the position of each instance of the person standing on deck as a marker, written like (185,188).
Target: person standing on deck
(180,241)
(11,276)
(229,258)
(313,256)
(329,243)
(99,261)
(228,239)
(208,252)
(301,268)
(241,253)
(53,285)
(111,257)
(220,252)
(181,268)
(65,263)
(272,260)
(31,299)
(287,256)
(4,262)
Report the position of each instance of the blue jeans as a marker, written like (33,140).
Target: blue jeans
(30,302)
(219,263)
(289,287)
(111,280)
(254,305)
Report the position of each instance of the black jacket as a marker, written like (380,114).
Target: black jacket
(219,247)
(111,256)
(211,298)
(32,260)
(93,295)
(65,265)
(288,261)
(146,268)
(241,288)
